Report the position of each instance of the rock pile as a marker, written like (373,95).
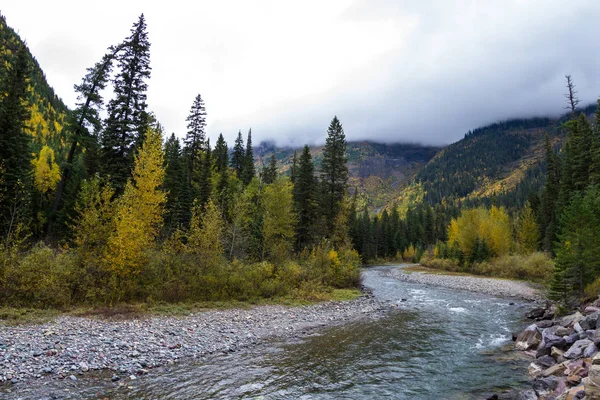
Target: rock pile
(566,362)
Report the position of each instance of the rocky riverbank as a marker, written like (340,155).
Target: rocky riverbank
(566,361)
(69,347)
(494,287)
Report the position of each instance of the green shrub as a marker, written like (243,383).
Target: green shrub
(535,267)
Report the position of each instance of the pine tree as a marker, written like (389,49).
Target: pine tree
(334,172)
(595,150)
(220,154)
(294,167)
(550,197)
(195,139)
(248,170)
(15,156)
(127,119)
(271,171)
(174,184)
(238,155)
(205,178)
(305,200)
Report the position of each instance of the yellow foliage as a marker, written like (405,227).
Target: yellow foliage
(492,225)
(139,212)
(206,235)
(409,254)
(279,219)
(46,171)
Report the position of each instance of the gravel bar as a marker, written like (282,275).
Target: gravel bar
(494,287)
(69,347)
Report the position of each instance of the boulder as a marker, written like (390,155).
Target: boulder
(591,310)
(570,320)
(535,370)
(572,338)
(577,392)
(574,380)
(528,339)
(550,340)
(590,351)
(596,338)
(545,361)
(576,350)
(577,327)
(556,370)
(562,331)
(545,323)
(536,313)
(555,352)
(589,322)
(545,386)
(592,383)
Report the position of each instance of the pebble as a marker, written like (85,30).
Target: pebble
(69,346)
(494,287)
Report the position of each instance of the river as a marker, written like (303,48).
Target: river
(439,344)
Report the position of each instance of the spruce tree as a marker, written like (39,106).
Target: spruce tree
(294,166)
(15,156)
(195,138)
(174,184)
(305,200)
(205,177)
(334,172)
(270,172)
(248,170)
(127,119)
(238,155)
(550,197)
(595,150)
(220,154)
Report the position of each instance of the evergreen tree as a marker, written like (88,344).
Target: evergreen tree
(195,139)
(221,155)
(294,166)
(595,150)
(248,170)
(15,156)
(550,197)
(174,184)
(334,172)
(270,172)
(238,155)
(127,119)
(305,200)
(205,178)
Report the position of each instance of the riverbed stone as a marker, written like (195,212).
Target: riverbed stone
(550,340)
(590,351)
(562,331)
(570,320)
(535,370)
(576,393)
(556,370)
(556,352)
(589,322)
(528,339)
(576,350)
(545,386)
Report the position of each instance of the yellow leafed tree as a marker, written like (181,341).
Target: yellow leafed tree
(279,220)
(205,237)
(492,225)
(46,171)
(528,234)
(139,212)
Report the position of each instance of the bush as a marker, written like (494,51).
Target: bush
(441,263)
(40,278)
(535,267)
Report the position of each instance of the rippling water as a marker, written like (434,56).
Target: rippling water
(440,344)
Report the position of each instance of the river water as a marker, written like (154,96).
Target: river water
(440,344)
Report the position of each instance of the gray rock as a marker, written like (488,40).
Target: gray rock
(115,378)
(545,361)
(562,331)
(576,350)
(545,386)
(528,339)
(590,351)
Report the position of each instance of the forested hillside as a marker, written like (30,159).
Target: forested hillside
(377,170)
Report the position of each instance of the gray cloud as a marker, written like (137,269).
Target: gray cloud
(418,71)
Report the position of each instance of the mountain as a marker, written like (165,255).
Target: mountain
(502,163)
(48,114)
(377,170)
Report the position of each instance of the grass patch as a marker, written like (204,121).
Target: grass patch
(19,316)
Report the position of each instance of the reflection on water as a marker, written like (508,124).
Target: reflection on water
(440,344)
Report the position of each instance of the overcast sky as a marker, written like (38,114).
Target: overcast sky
(404,70)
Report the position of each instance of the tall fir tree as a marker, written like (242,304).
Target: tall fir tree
(195,138)
(127,119)
(595,150)
(221,154)
(205,177)
(15,156)
(248,170)
(174,184)
(270,171)
(238,155)
(305,201)
(294,166)
(334,172)
(550,196)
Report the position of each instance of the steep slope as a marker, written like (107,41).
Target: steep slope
(48,114)
(377,170)
(500,163)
